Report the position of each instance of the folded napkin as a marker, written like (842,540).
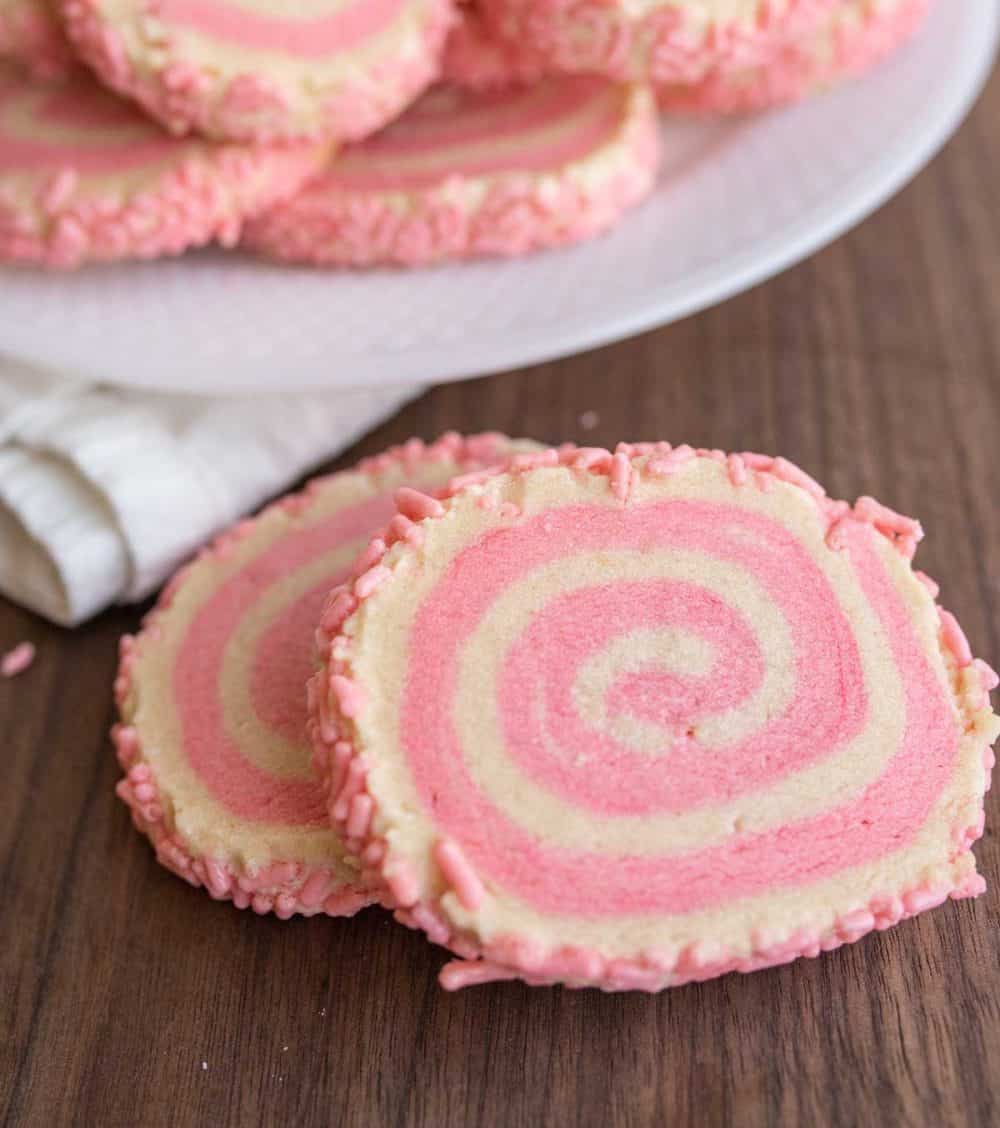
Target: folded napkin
(104,491)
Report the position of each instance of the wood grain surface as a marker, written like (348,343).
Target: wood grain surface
(127,998)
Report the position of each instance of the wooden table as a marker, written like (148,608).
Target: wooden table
(130,999)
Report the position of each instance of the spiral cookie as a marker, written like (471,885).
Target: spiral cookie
(265,69)
(651,40)
(469,173)
(212,692)
(630,720)
(85,177)
(855,38)
(31,34)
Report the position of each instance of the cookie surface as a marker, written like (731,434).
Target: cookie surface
(86,177)
(631,720)
(212,692)
(854,38)
(470,173)
(477,59)
(651,40)
(264,69)
(31,34)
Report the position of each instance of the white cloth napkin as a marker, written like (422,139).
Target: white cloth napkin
(104,491)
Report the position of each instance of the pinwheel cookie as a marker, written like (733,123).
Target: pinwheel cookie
(31,34)
(651,40)
(212,692)
(627,720)
(264,69)
(85,177)
(857,36)
(467,173)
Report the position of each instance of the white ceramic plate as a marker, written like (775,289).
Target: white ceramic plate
(737,202)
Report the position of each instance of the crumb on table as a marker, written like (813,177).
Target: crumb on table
(16,661)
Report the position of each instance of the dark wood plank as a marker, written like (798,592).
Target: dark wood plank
(130,999)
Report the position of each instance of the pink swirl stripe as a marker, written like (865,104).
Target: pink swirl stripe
(233,780)
(345,29)
(450,116)
(63,107)
(484,135)
(829,706)
(95,134)
(276,685)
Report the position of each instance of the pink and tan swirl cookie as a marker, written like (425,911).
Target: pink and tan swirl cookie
(628,720)
(470,173)
(855,38)
(212,693)
(265,69)
(651,40)
(85,177)
(31,33)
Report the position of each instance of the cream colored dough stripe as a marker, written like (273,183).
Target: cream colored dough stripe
(259,744)
(811,791)
(452,159)
(149,38)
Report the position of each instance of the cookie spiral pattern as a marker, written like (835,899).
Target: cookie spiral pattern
(652,716)
(86,177)
(264,69)
(213,737)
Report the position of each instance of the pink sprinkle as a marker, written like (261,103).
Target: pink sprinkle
(370,557)
(59,190)
(369,582)
(887,520)
(973,886)
(353,784)
(989,678)
(954,638)
(398,527)
(589,458)
(217,879)
(470,973)
(836,534)
(535,461)
(919,900)
(350,696)
(459,874)
(762,462)
(928,583)
(416,505)
(464,481)
(359,816)
(858,921)
(403,884)
(17,660)
(621,476)
(792,474)
(666,464)
(589,420)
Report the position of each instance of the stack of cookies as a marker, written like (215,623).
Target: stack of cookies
(612,719)
(365,132)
